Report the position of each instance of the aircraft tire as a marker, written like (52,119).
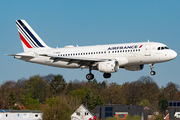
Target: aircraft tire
(107,75)
(152,72)
(89,76)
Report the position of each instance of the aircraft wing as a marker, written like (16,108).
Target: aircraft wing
(74,59)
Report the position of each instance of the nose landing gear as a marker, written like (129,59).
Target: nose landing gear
(151,67)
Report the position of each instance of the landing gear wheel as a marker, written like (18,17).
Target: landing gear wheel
(107,75)
(152,72)
(90,76)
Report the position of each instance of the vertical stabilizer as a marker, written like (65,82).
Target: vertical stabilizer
(30,40)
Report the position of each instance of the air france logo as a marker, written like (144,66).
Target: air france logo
(125,47)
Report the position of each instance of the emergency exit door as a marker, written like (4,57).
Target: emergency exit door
(148,50)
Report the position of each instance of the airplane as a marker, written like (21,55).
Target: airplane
(105,58)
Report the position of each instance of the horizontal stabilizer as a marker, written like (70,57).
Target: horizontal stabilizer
(19,55)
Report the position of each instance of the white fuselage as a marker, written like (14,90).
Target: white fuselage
(126,54)
(105,58)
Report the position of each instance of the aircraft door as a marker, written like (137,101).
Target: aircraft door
(148,50)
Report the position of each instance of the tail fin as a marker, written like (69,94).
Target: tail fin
(30,40)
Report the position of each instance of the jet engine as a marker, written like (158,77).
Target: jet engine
(134,67)
(108,67)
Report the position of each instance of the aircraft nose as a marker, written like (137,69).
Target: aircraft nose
(173,54)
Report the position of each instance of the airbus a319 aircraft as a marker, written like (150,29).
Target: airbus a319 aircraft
(105,58)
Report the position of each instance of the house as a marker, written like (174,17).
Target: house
(82,113)
(122,111)
(174,109)
(20,115)
(166,117)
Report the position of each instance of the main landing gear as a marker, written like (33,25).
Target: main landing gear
(90,76)
(107,75)
(151,67)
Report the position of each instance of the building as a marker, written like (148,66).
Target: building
(20,115)
(122,111)
(82,113)
(174,109)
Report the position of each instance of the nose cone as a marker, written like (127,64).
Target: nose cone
(173,54)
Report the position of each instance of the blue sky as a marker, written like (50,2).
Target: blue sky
(90,22)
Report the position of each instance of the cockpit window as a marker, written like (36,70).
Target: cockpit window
(162,48)
(166,47)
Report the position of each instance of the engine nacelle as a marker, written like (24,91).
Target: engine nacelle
(108,67)
(134,67)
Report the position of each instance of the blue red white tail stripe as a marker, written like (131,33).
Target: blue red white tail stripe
(28,36)
(26,39)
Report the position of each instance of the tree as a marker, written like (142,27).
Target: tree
(148,89)
(5,91)
(171,91)
(89,99)
(144,88)
(57,85)
(135,117)
(11,100)
(98,101)
(111,118)
(34,88)
(144,102)
(114,94)
(33,104)
(103,84)
(162,106)
(79,93)
(56,109)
